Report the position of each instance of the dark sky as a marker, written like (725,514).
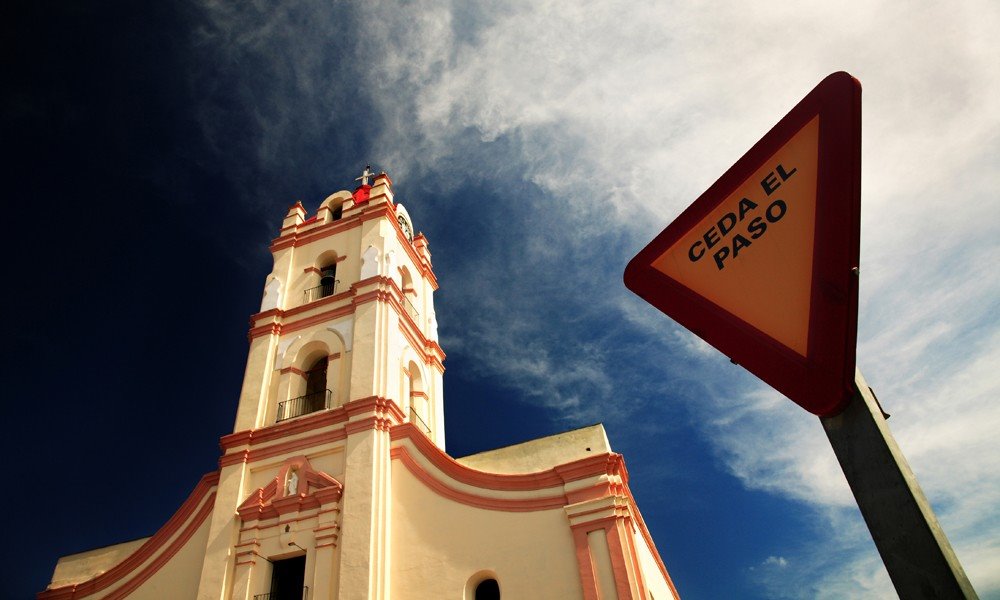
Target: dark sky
(134,265)
(120,375)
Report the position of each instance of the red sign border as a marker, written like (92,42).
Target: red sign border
(823,381)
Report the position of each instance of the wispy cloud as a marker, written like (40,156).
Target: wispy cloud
(579,130)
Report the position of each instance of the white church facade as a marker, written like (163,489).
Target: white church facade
(335,482)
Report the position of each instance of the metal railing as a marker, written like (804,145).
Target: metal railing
(410,309)
(415,415)
(303,405)
(321,291)
(277,596)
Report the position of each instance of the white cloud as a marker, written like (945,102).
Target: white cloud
(626,113)
(776,561)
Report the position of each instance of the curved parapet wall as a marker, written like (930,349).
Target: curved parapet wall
(580,510)
(166,564)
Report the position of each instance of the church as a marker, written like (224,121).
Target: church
(335,482)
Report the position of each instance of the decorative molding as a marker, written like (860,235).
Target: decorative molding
(585,565)
(401,454)
(303,443)
(298,237)
(600,464)
(247,446)
(430,351)
(314,489)
(644,531)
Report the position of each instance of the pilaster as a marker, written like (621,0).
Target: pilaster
(257,377)
(223,535)
(364,558)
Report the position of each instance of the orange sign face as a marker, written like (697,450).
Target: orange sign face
(752,255)
(763,265)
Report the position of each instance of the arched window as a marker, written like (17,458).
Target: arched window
(413,385)
(328,280)
(488,589)
(315,398)
(337,212)
(409,292)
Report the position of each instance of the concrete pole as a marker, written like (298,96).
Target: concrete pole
(914,548)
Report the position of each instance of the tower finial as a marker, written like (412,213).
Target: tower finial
(365,176)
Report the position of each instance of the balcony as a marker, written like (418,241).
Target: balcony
(416,420)
(283,596)
(321,291)
(303,405)
(410,309)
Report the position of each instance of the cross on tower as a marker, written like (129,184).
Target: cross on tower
(365,176)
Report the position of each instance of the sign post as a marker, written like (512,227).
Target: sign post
(764,267)
(914,548)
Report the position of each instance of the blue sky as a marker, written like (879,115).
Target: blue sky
(539,146)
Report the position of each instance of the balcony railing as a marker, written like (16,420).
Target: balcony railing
(277,596)
(410,309)
(303,405)
(416,420)
(321,291)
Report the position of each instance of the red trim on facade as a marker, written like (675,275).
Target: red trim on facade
(401,454)
(296,444)
(327,535)
(333,299)
(601,464)
(329,315)
(640,578)
(269,329)
(167,554)
(381,406)
(585,565)
(187,514)
(284,429)
(368,213)
(299,372)
(272,312)
(343,224)
(377,423)
(617,510)
(234,458)
(637,518)
(314,489)
(387,414)
(619,562)
(429,350)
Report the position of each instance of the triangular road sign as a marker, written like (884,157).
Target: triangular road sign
(763,265)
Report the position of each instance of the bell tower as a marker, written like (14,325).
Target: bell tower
(347,313)
(343,350)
